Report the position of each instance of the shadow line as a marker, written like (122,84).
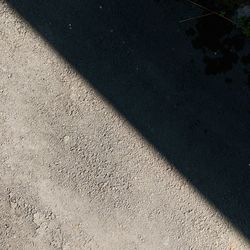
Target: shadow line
(137,55)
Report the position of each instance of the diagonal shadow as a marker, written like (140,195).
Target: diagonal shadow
(137,55)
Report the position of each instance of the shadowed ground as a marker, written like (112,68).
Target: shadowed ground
(137,55)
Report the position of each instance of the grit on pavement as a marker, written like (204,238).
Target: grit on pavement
(75,174)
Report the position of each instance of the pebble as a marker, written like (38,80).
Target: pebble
(66,139)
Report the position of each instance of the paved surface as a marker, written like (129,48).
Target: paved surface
(75,174)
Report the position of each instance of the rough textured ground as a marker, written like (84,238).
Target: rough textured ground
(74,173)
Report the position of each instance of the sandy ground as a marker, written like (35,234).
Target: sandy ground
(75,174)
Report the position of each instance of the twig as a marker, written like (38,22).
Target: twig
(192,18)
(211,11)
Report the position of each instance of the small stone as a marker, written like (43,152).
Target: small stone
(66,139)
